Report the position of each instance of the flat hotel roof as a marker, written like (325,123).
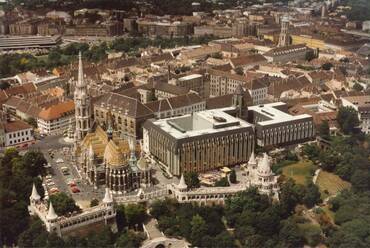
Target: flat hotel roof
(276,116)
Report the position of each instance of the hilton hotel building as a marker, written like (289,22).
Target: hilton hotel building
(200,142)
(210,139)
(274,126)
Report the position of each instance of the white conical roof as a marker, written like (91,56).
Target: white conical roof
(182,184)
(264,165)
(107,196)
(51,213)
(35,195)
(252,159)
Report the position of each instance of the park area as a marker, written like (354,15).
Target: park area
(300,171)
(330,184)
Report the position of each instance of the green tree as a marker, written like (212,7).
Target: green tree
(223,182)
(361,180)
(28,238)
(129,239)
(268,221)
(357,87)
(32,121)
(35,162)
(94,202)
(104,238)
(312,151)
(135,214)
(327,66)
(63,204)
(312,195)
(161,207)
(312,234)
(239,71)
(232,176)
(324,130)
(329,159)
(4,85)
(289,235)
(291,194)
(347,119)
(192,179)
(198,229)
(121,217)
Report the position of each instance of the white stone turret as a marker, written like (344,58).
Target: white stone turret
(252,161)
(35,197)
(51,216)
(264,168)
(82,104)
(182,185)
(108,200)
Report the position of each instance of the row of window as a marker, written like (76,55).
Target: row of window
(21,133)
(13,142)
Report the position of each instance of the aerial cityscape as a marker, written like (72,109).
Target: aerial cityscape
(185,123)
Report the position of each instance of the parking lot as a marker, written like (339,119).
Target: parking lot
(64,176)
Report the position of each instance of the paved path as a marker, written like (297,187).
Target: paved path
(152,230)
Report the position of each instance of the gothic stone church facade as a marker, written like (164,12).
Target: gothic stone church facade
(105,158)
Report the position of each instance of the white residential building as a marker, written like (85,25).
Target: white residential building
(18,134)
(56,119)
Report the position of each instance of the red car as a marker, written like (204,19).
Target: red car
(75,190)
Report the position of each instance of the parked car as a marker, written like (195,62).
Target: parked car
(49,177)
(75,190)
(53,191)
(50,184)
(59,161)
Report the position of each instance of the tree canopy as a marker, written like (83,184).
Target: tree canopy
(192,179)
(17,174)
(347,119)
(63,204)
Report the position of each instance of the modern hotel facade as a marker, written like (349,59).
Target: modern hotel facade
(275,127)
(200,141)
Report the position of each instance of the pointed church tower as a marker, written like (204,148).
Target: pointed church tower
(82,104)
(284,34)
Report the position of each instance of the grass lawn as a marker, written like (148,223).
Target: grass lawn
(330,184)
(299,171)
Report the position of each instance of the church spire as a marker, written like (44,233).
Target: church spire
(82,104)
(80,81)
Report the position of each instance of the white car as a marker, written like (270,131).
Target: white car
(51,184)
(59,161)
(49,177)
